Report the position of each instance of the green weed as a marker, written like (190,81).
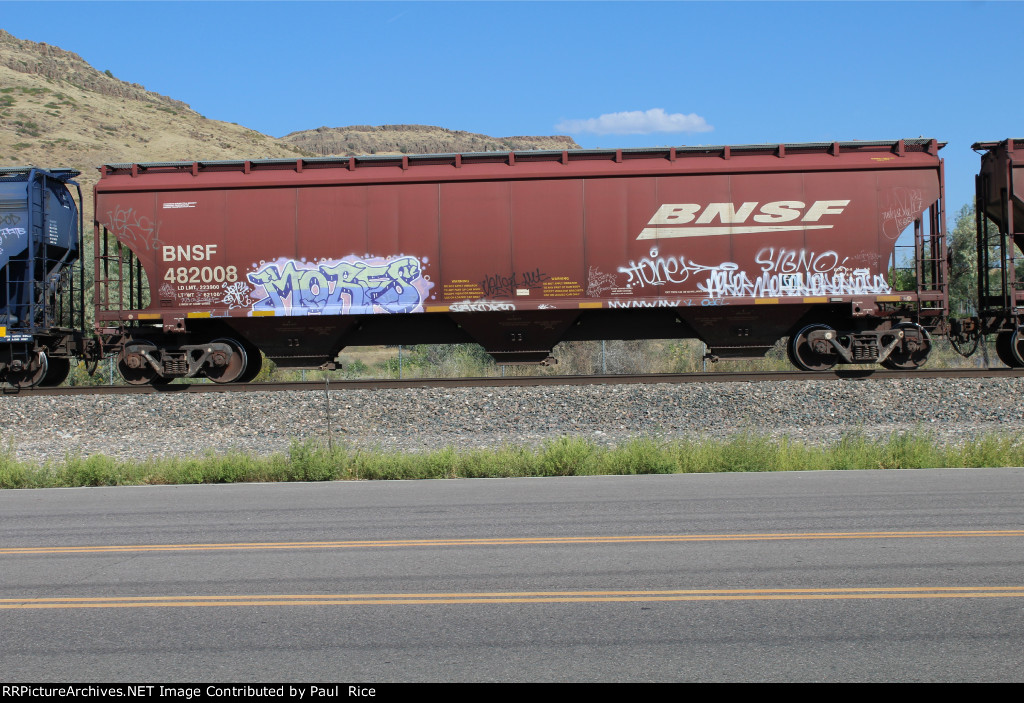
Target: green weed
(566,456)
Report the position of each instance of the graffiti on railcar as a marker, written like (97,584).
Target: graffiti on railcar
(482,306)
(131,228)
(728,280)
(599,282)
(15,234)
(349,286)
(236,295)
(644,303)
(901,208)
(782,272)
(657,270)
(499,285)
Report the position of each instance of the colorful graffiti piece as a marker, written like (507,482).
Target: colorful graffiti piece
(348,286)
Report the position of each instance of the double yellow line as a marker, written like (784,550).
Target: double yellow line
(504,541)
(522,597)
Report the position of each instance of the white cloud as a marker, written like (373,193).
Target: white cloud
(637,122)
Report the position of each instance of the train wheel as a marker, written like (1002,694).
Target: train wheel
(227,369)
(1017,347)
(30,374)
(1004,344)
(58,372)
(1003,349)
(906,359)
(253,365)
(133,366)
(806,358)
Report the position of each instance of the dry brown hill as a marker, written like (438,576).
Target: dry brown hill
(412,139)
(58,111)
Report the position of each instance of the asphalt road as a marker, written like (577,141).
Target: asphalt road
(818,576)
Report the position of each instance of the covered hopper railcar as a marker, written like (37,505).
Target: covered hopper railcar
(41,309)
(201,265)
(1000,230)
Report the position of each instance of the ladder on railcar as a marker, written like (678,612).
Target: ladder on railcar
(926,269)
(121,283)
(39,284)
(931,263)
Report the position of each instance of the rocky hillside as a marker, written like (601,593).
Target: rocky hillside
(412,139)
(57,110)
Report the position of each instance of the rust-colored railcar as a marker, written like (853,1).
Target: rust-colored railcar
(200,265)
(1000,226)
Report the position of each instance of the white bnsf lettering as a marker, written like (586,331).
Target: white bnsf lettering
(824,207)
(780,211)
(694,220)
(195,252)
(726,213)
(674,214)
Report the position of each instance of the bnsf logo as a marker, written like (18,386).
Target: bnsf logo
(196,252)
(687,219)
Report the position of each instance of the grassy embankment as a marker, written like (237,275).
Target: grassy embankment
(563,457)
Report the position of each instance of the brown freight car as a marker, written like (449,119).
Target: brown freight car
(201,265)
(1000,227)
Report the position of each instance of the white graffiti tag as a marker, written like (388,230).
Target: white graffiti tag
(902,206)
(729,281)
(659,270)
(481,306)
(644,303)
(784,260)
(598,282)
(236,295)
(794,272)
(783,272)
(12,234)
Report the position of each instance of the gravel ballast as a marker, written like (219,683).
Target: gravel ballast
(45,428)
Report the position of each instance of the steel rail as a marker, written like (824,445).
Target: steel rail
(504,381)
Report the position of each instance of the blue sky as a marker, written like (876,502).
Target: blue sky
(609,73)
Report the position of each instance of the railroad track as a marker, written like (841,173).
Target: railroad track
(495,382)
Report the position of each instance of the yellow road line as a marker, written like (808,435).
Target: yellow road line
(504,541)
(913,592)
